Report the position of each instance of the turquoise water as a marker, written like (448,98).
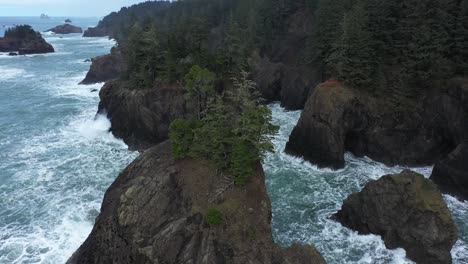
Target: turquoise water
(304,197)
(56,159)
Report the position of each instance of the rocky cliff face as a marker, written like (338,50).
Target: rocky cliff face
(408,211)
(66,29)
(105,68)
(155,212)
(338,119)
(280,72)
(96,32)
(142,117)
(33,43)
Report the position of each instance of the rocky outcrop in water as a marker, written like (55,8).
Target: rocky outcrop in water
(105,68)
(24,40)
(408,211)
(156,212)
(142,117)
(96,32)
(66,29)
(338,119)
(451,173)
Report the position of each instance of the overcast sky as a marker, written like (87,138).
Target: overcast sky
(62,7)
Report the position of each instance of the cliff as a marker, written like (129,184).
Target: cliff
(106,67)
(142,117)
(157,211)
(24,40)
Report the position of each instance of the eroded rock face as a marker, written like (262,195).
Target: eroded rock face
(105,68)
(66,29)
(408,211)
(338,119)
(155,213)
(142,117)
(451,173)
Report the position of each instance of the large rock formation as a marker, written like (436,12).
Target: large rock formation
(451,173)
(142,117)
(338,119)
(96,32)
(408,211)
(24,40)
(155,212)
(105,68)
(66,29)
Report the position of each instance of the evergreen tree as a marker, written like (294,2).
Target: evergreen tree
(199,84)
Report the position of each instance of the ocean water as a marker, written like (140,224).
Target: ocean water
(56,157)
(304,197)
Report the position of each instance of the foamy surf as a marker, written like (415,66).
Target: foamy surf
(304,197)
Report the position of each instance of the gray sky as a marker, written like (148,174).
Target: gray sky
(62,7)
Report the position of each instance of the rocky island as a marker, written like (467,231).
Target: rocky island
(24,40)
(66,29)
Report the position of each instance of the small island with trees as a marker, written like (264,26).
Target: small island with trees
(24,40)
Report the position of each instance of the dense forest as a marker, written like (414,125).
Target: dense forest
(21,32)
(397,47)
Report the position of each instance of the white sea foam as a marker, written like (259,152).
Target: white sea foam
(304,197)
(10,73)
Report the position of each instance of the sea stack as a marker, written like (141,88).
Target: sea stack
(24,40)
(66,29)
(408,211)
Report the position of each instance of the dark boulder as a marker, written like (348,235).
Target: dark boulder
(408,211)
(105,68)
(68,20)
(142,117)
(155,212)
(12,54)
(24,40)
(451,173)
(66,29)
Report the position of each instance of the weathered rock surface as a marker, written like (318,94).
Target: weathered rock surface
(66,29)
(105,68)
(96,32)
(142,117)
(408,211)
(451,173)
(338,119)
(26,42)
(155,213)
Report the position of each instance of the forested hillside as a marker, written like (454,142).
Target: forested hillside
(398,48)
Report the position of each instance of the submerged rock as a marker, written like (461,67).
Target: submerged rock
(408,211)
(155,212)
(105,68)
(66,29)
(141,117)
(24,40)
(12,54)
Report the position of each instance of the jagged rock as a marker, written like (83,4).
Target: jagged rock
(451,173)
(66,29)
(408,211)
(94,90)
(155,213)
(338,119)
(142,117)
(24,40)
(12,54)
(105,68)
(68,20)
(87,60)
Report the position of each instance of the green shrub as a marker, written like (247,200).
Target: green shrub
(214,217)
